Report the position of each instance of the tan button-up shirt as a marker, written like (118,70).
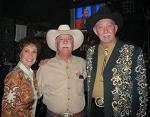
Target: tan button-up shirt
(60,85)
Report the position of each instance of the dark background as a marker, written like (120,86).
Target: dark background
(47,14)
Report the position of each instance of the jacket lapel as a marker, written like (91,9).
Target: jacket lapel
(108,86)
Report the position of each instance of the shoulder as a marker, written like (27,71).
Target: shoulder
(91,51)
(92,47)
(13,76)
(79,59)
(46,62)
(130,45)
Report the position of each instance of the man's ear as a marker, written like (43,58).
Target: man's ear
(72,44)
(94,30)
(116,28)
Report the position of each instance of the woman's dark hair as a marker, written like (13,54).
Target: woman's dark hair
(26,41)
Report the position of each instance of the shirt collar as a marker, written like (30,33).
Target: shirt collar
(62,61)
(110,46)
(27,71)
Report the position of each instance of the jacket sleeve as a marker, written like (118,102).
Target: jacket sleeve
(140,92)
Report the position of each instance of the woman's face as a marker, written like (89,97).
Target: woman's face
(28,55)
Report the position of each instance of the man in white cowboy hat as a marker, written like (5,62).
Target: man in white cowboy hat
(61,79)
(117,85)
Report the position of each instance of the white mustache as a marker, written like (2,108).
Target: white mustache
(107,34)
(65,46)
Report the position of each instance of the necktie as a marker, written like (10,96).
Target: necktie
(105,60)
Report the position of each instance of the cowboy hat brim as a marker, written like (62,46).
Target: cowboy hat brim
(104,13)
(76,34)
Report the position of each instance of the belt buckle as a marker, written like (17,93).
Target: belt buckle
(99,101)
(66,114)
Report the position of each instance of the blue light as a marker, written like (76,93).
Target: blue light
(89,10)
(78,13)
(97,7)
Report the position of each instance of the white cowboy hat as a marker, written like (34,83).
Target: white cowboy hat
(64,29)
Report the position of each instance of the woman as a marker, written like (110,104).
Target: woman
(20,86)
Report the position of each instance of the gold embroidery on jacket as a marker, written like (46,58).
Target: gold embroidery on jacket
(122,82)
(89,64)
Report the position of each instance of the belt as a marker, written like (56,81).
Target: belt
(52,114)
(96,110)
(98,101)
